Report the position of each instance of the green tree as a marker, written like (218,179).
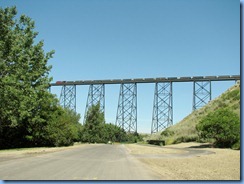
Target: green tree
(26,106)
(113,133)
(96,130)
(222,125)
(134,137)
(93,124)
(64,129)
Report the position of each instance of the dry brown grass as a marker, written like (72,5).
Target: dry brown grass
(223,165)
(135,149)
(31,151)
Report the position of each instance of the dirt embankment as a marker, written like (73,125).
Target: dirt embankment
(175,162)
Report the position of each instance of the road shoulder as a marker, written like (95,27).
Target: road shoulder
(172,161)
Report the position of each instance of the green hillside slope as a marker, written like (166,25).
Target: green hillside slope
(185,130)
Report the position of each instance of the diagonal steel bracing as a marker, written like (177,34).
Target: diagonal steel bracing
(96,95)
(162,107)
(68,97)
(201,94)
(127,108)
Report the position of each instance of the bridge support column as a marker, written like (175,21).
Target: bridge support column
(127,108)
(201,94)
(162,107)
(68,97)
(96,95)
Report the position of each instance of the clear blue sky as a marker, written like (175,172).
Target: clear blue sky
(113,39)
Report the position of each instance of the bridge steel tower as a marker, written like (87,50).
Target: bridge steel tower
(162,107)
(68,97)
(96,95)
(127,107)
(201,94)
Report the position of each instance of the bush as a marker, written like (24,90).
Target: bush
(236,146)
(96,131)
(185,139)
(167,133)
(64,130)
(133,137)
(222,125)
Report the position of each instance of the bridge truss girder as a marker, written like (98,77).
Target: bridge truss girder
(127,108)
(96,95)
(162,107)
(68,97)
(202,94)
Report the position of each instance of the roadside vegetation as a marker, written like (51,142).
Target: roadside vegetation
(218,123)
(223,126)
(30,116)
(95,130)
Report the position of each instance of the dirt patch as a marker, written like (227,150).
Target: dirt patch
(24,152)
(223,165)
(143,149)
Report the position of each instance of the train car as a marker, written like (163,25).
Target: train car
(197,77)
(161,78)
(235,76)
(60,82)
(185,78)
(223,76)
(210,77)
(172,78)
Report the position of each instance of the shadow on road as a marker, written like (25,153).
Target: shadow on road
(202,146)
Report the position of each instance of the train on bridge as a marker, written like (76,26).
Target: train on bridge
(127,105)
(149,80)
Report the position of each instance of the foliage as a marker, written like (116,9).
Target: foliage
(167,132)
(134,137)
(232,95)
(113,133)
(24,72)
(64,129)
(222,125)
(189,138)
(93,125)
(29,113)
(95,129)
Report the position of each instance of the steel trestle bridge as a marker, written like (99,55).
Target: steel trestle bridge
(126,117)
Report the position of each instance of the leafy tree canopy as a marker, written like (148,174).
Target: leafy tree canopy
(96,130)
(29,113)
(23,70)
(222,125)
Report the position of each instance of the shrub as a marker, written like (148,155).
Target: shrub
(167,133)
(236,146)
(95,129)
(169,141)
(190,138)
(222,125)
(64,129)
(133,137)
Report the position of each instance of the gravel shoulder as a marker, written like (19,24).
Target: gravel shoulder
(205,164)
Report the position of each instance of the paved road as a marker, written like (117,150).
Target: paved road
(88,162)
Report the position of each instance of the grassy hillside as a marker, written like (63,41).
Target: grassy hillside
(185,130)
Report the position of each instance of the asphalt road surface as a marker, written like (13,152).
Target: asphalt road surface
(87,162)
